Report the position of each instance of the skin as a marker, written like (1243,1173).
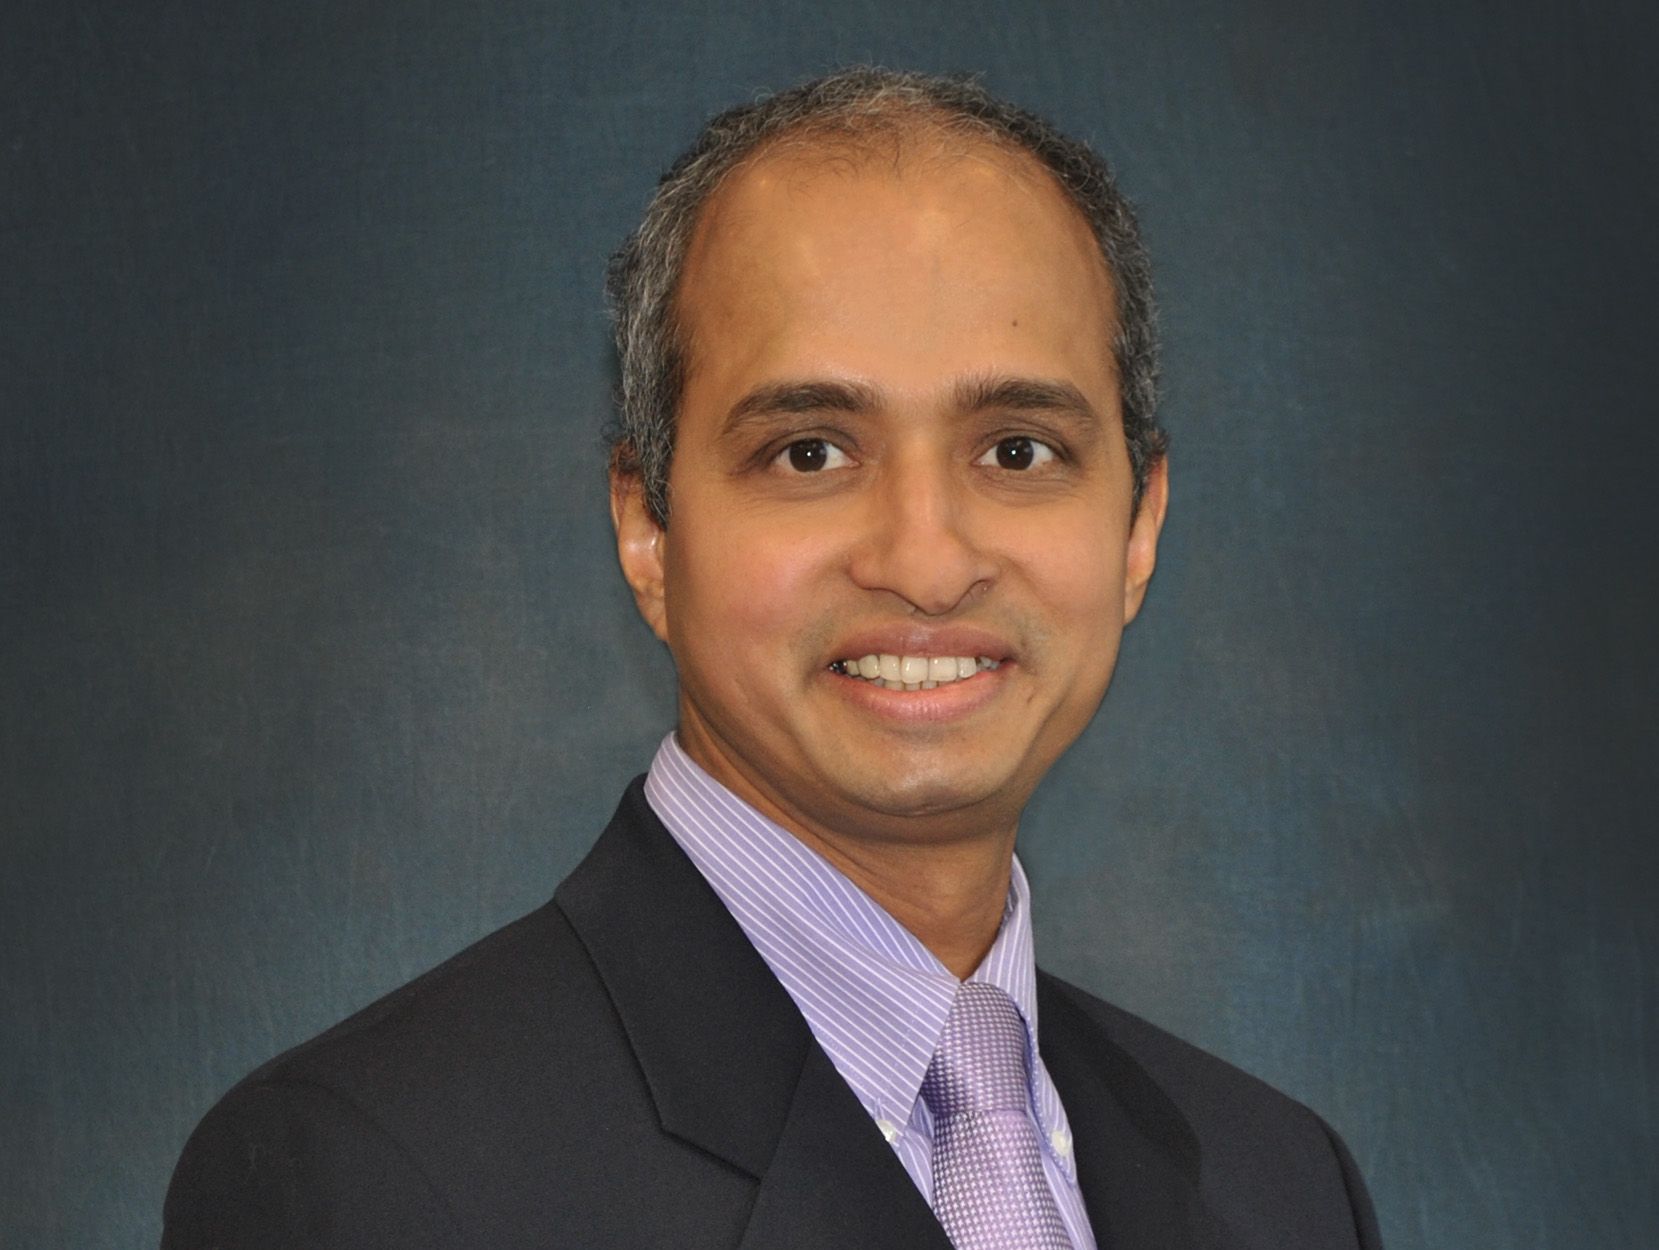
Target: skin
(895,320)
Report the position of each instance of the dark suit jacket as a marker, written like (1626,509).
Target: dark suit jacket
(621,1069)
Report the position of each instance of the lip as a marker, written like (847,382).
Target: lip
(951,701)
(921,640)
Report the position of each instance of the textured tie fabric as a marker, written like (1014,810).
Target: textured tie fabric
(989,1190)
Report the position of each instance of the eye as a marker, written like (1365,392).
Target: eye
(812,455)
(1019,452)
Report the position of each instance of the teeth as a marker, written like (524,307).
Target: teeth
(914,672)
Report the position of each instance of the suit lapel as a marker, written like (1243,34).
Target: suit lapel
(865,1199)
(1137,1157)
(729,1061)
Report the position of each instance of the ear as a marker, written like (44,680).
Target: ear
(640,547)
(1143,538)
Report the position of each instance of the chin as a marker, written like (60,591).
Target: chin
(922,792)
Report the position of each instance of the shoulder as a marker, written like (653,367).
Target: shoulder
(518,985)
(1211,1093)
(1270,1167)
(467,1032)
(460,1084)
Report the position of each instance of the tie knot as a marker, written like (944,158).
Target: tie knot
(981,1061)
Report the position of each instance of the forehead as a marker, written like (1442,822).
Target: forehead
(932,237)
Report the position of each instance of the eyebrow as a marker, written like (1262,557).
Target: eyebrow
(1023,395)
(791,398)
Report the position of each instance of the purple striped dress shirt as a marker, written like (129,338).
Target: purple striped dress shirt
(874,997)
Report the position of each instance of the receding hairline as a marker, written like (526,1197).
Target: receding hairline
(904,133)
(888,126)
(911,138)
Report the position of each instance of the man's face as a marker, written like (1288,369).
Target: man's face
(899,436)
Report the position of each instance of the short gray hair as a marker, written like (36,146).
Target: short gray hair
(853,106)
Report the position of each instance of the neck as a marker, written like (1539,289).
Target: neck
(946,880)
(952,898)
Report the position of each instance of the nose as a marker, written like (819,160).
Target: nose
(919,541)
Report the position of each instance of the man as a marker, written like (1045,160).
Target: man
(889,486)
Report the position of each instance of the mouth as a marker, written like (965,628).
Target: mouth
(913,672)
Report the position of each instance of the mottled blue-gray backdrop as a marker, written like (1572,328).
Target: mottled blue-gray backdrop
(314,665)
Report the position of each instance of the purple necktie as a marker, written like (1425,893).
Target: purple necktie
(989,1190)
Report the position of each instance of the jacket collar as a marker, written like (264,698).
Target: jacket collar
(728,1059)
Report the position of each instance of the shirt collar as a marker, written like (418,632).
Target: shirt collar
(874,997)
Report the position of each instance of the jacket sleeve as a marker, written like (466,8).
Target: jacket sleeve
(280,1166)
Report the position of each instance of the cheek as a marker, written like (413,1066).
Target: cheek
(738,592)
(1077,547)
(1076,573)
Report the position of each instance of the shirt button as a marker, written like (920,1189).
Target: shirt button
(889,1130)
(1061,1143)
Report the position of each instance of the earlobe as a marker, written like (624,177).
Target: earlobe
(1143,538)
(640,548)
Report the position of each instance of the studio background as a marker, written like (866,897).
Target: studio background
(315,665)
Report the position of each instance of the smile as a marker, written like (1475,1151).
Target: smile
(912,672)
